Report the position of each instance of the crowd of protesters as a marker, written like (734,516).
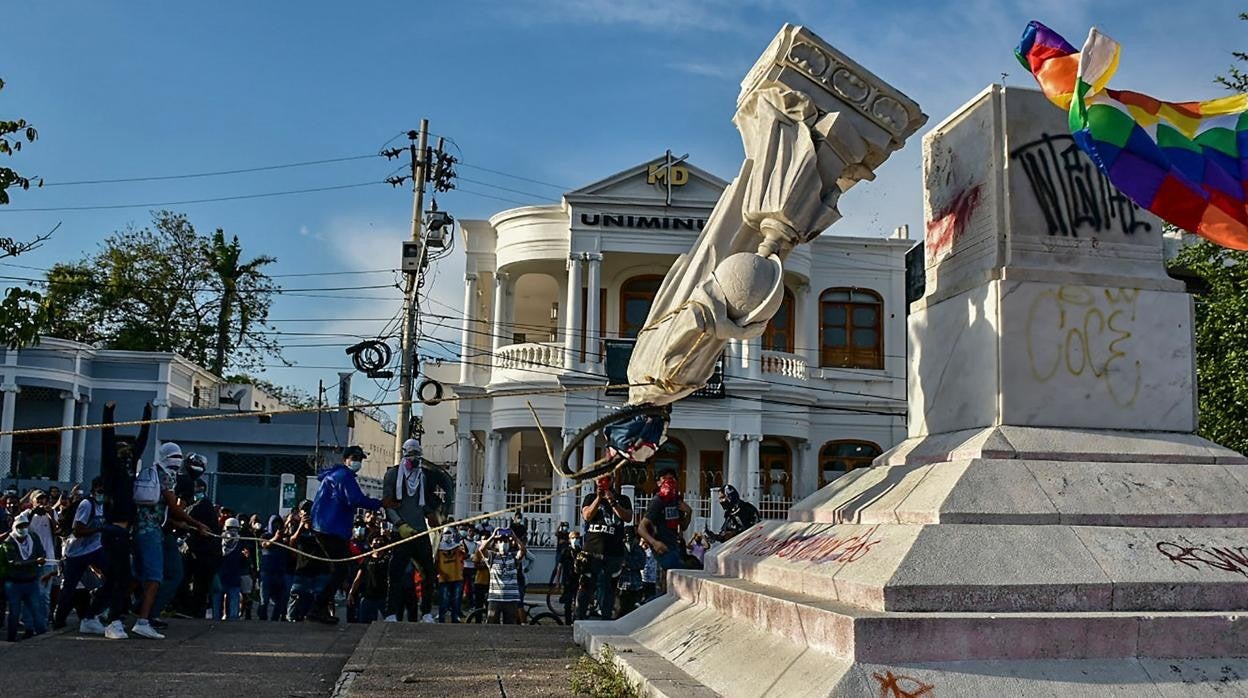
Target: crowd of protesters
(146,542)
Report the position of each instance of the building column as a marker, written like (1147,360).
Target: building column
(65,461)
(500,311)
(572,319)
(10,391)
(752,490)
(587,457)
(80,446)
(465,337)
(807,472)
(493,492)
(593,323)
(463,474)
(806,332)
(752,357)
(735,477)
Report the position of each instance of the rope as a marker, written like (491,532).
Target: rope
(401,541)
(305,410)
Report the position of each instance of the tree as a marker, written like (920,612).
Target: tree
(21,311)
(245,292)
(166,288)
(1221,318)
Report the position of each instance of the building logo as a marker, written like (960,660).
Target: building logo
(675,175)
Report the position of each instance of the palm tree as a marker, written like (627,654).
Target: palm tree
(233,275)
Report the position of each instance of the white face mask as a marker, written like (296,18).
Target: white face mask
(21,533)
(504,547)
(355,465)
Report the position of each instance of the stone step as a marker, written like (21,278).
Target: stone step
(1040,492)
(949,568)
(861,635)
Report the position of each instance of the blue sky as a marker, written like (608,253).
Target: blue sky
(557,91)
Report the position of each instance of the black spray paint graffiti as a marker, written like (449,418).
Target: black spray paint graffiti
(1233,560)
(1074,195)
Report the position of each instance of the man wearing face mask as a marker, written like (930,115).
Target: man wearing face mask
(204,552)
(25,556)
(408,493)
(119,456)
(333,512)
(503,558)
(605,512)
(566,567)
(739,515)
(83,549)
(666,517)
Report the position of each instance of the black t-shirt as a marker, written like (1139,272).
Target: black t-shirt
(605,532)
(666,521)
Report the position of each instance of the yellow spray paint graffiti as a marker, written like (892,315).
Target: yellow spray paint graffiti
(1086,332)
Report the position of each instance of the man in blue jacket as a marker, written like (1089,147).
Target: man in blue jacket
(333,512)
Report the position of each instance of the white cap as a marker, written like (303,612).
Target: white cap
(232,523)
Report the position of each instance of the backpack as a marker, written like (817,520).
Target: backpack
(147,485)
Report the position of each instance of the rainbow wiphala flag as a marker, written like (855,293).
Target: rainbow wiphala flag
(1187,162)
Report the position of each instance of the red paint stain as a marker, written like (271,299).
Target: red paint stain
(901,686)
(947,226)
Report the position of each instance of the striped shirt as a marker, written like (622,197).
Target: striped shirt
(504,577)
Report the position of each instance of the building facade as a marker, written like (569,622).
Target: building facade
(553,296)
(59,385)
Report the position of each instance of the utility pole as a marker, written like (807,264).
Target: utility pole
(417,150)
(320,390)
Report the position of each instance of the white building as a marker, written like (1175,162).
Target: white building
(553,293)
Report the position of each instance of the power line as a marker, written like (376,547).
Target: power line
(239,197)
(217,173)
(277,291)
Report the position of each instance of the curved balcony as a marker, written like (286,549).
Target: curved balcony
(530,361)
(785,365)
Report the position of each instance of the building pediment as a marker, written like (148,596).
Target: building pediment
(648,184)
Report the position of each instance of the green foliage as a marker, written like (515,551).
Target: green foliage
(166,288)
(21,310)
(1221,341)
(601,678)
(1236,78)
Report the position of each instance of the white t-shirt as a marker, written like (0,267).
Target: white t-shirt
(41,528)
(86,513)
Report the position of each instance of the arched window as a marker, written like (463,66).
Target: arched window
(779,333)
(851,328)
(636,296)
(839,457)
(671,454)
(775,469)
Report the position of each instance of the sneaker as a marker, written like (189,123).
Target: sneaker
(390,619)
(93,626)
(428,618)
(115,631)
(158,624)
(144,629)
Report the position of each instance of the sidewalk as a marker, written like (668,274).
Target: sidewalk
(499,661)
(197,658)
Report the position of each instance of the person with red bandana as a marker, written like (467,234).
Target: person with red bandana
(605,511)
(666,518)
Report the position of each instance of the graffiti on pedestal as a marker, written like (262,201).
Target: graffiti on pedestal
(1085,332)
(1226,559)
(1074,196)
(812,544)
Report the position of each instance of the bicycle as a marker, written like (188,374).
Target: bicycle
(478,615)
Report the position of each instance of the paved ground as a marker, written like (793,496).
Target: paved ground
(500,661)
(197,658)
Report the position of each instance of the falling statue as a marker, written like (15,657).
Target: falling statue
(813,123)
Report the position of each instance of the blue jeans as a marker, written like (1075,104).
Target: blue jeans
(303,593)
(275,590)
(149,553)
(171,574)
(370,610)
(23,596)
(230,597)
(449,594)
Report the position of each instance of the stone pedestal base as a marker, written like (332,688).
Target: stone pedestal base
(1002,561)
